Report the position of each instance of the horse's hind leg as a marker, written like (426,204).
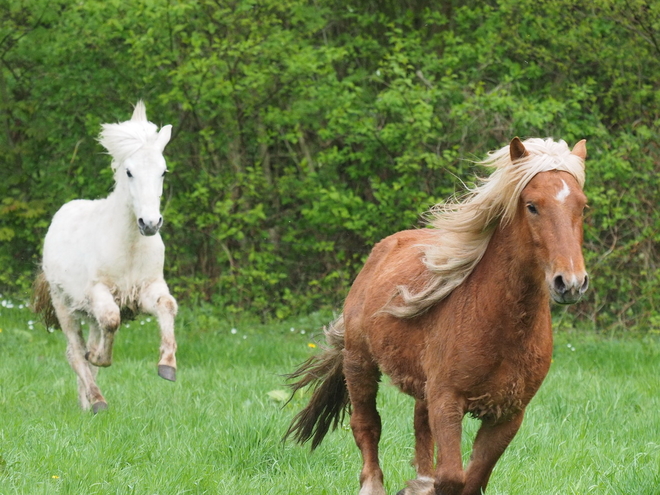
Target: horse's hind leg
(89,394)
(156,300)
(362,378)
(106,313)
(489,445)
(424,446)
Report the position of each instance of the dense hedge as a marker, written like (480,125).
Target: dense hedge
(305,131)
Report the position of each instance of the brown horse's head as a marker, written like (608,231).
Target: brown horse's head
(552,205)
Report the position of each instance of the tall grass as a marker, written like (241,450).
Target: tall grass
(593,428)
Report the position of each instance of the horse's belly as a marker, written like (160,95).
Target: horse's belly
(402,364)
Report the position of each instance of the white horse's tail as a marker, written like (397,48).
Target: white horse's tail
(42,303)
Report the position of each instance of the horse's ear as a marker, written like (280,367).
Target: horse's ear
(140,112)
(580,149)
(164,136)
(517,149)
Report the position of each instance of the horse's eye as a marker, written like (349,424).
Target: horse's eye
(130,175)
(532,209)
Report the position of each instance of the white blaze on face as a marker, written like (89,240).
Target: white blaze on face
(563,193)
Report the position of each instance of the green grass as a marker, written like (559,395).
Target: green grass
(593,428)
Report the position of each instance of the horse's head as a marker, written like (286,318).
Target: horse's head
(145,171)
(137,150)
(552,206)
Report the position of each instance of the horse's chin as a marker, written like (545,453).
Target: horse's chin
(566,298)
(148,232)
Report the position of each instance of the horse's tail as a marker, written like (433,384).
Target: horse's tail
(329,401)
(42,303)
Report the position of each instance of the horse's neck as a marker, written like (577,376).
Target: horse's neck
(119,215)
(510,270)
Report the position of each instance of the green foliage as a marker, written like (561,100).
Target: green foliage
(304,132)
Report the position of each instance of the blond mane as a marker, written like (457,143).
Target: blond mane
(465,225)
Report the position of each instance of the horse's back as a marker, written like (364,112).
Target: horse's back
(395,261)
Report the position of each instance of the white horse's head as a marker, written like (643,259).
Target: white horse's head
(137,148)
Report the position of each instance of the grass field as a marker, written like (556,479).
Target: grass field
(593,428)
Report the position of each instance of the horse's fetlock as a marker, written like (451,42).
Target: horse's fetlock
(450,484)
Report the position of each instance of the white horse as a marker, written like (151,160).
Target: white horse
(104,258)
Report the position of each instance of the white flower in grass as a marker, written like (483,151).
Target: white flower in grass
(233,331)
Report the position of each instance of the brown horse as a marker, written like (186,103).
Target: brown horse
(458,317)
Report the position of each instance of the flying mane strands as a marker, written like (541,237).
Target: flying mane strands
(124,139)
(466,224)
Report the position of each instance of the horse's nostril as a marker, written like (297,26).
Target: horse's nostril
(141,223)
(559,284)
(585,284)
(160,222)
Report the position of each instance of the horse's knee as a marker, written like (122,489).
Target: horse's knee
(168,303)
(109,319)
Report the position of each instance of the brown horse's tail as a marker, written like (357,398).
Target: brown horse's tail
(329,401)
(41,302)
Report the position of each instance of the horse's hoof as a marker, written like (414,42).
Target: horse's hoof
(167,372)
(99,406)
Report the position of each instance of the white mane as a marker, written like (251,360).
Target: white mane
(123,139)
(465,225)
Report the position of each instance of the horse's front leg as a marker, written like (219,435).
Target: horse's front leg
(445,416)
(156,300)
(489,445)
(102,332)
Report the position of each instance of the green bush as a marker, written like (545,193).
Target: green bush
(304,132)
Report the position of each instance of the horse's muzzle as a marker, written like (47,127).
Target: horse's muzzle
(149,228)
(568,290)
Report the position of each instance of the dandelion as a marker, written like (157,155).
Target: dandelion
(311,345)
(55,477)
(233,331)
(293,329)
(302,332)
(0,330)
